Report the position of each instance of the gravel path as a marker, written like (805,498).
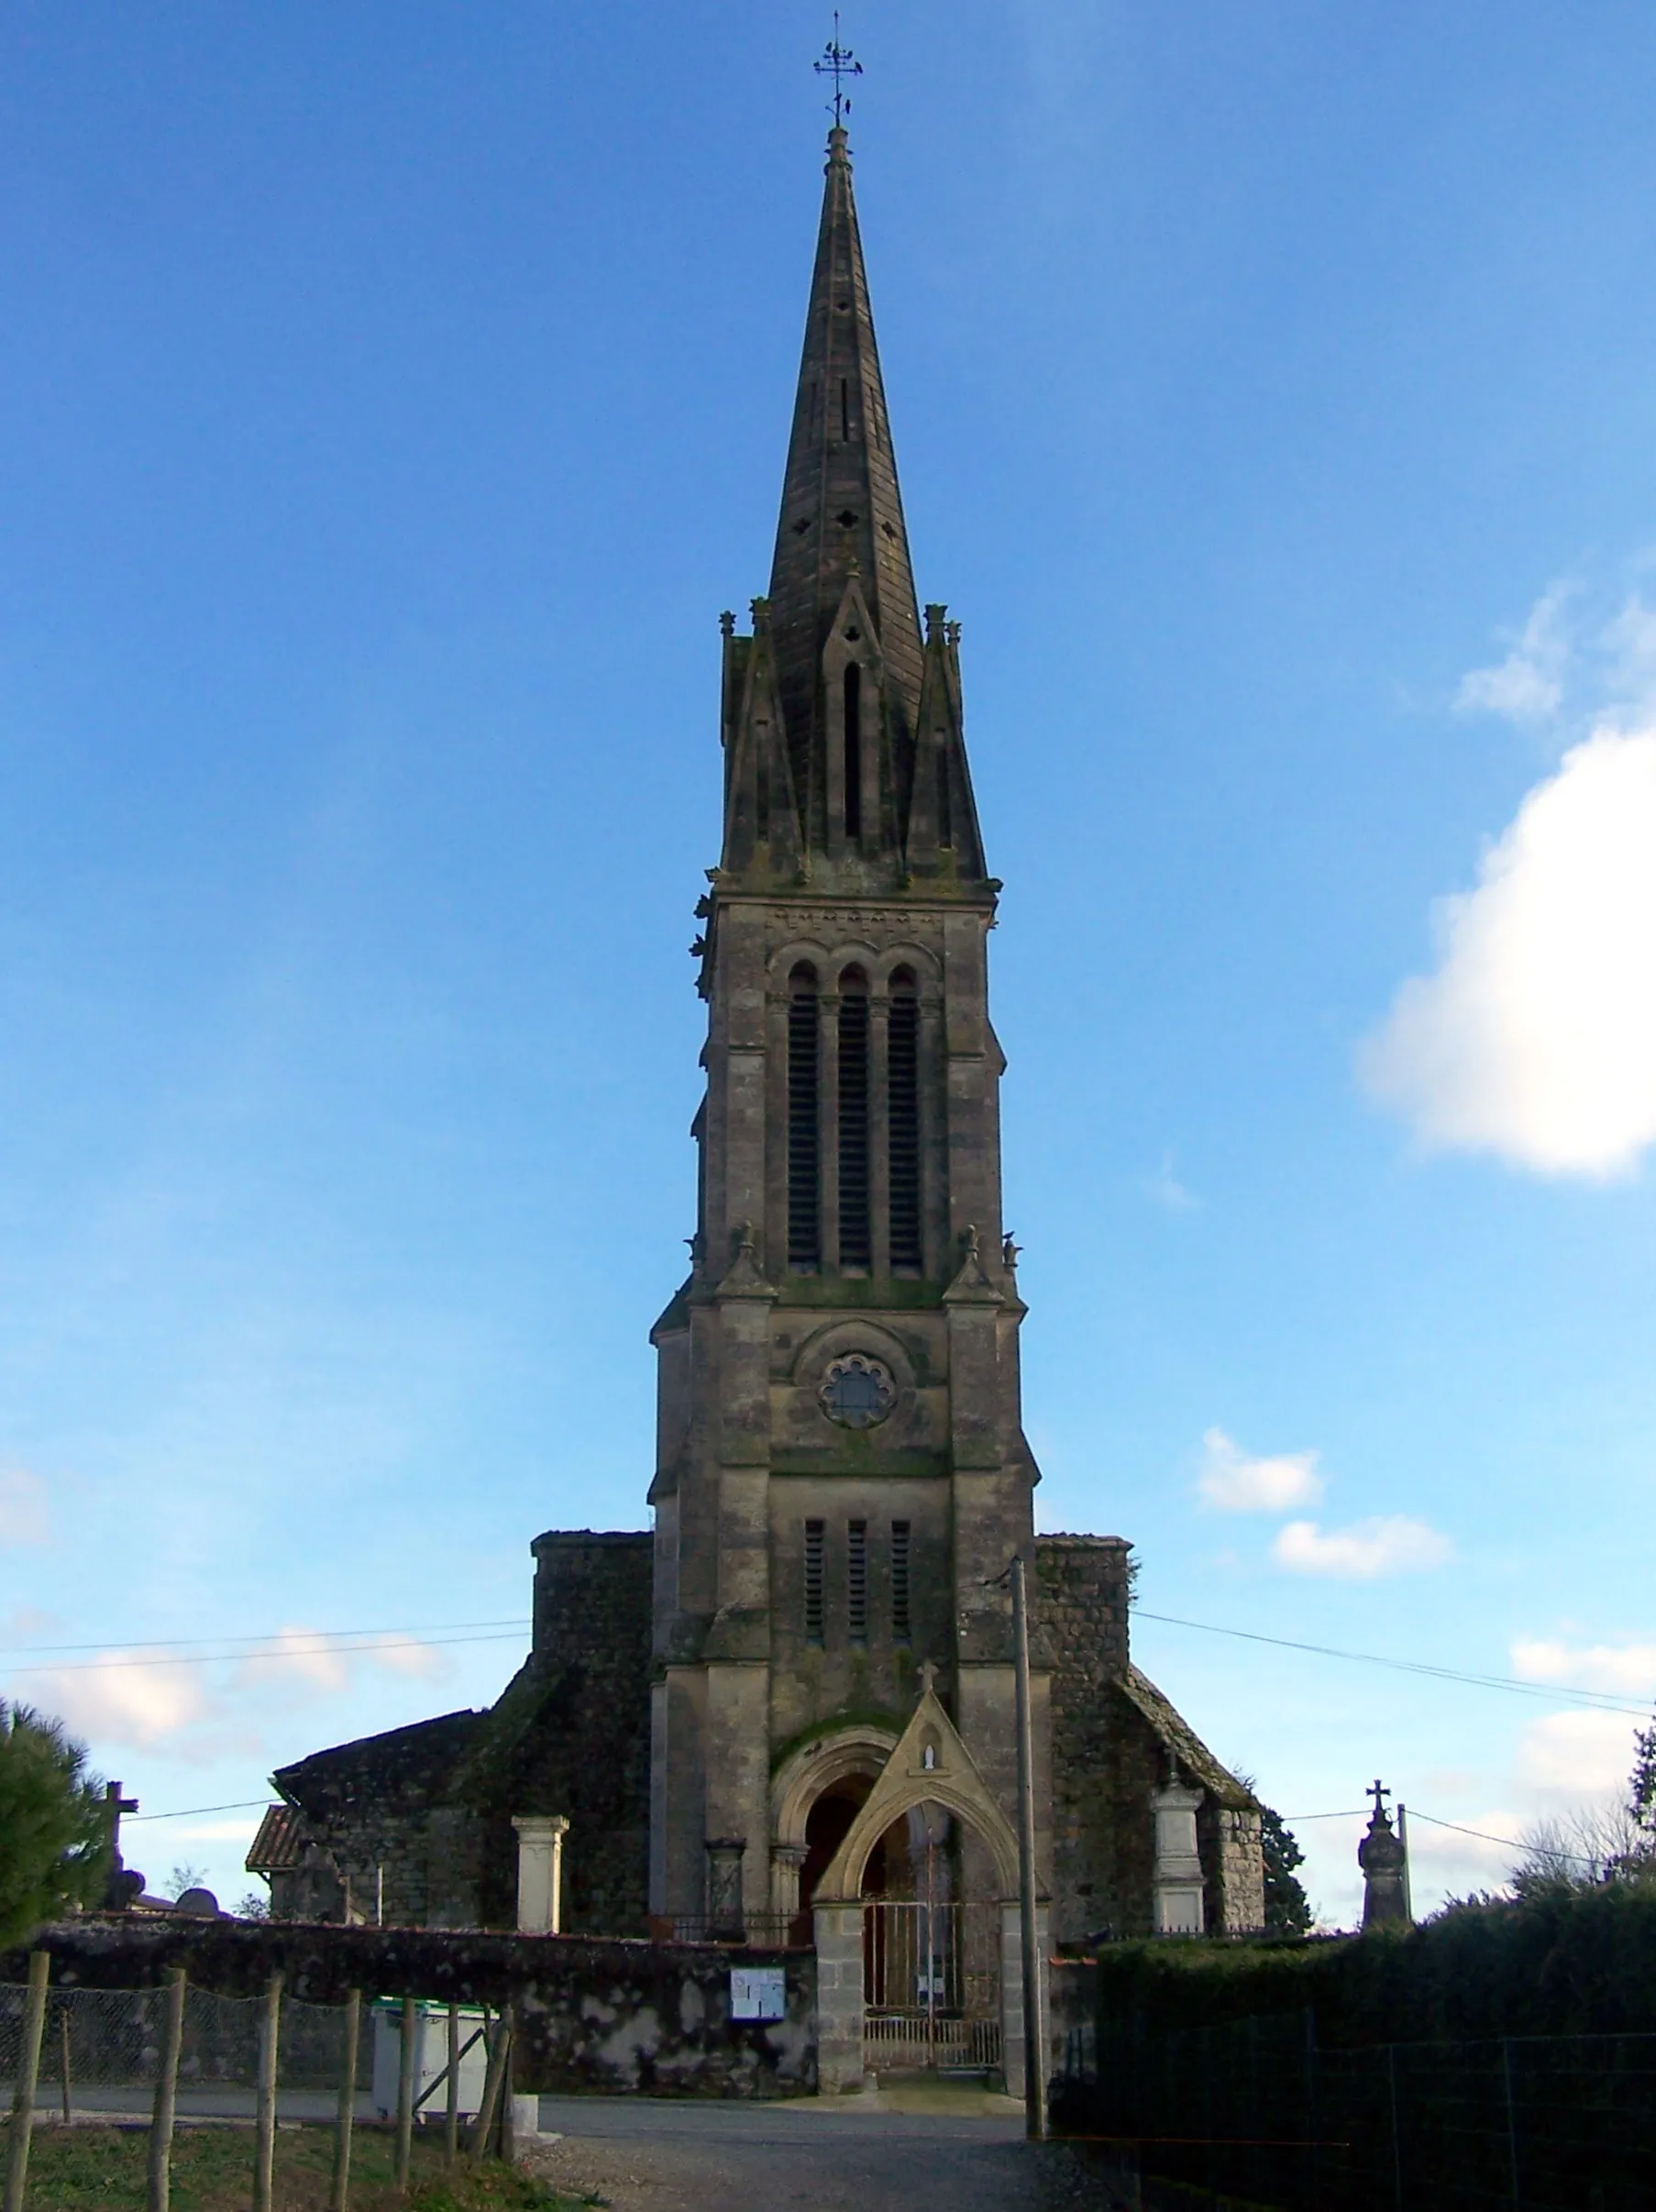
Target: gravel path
(659,2156)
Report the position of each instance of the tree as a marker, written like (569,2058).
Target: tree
(1580,1849)
(1641,1784)
(1287,1908)
(54,1824)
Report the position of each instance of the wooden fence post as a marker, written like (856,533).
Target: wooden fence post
(166,2093)
(28,2074)
(500,2055)
(451,2118)
(264,2150)
(406,2089)
(339,2196)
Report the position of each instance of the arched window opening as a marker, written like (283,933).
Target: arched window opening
(855,1225)
(804,1140)
(853,751)
(902,1121)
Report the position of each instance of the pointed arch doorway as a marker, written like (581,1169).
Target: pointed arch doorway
(916,1919)
(931,1952)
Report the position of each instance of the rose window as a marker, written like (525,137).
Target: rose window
(857,1392)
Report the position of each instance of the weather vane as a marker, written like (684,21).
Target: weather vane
(839,62)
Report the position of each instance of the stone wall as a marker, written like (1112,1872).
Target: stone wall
(428,1810)
(1116,1740)
(620,2017)
(1102,1848)
(581,1744)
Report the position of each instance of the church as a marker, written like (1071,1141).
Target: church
(787,1713)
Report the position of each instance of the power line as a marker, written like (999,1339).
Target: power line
(1581,1858)
(274,1652)
(1594,1700)
(431,1628)
(189,1812)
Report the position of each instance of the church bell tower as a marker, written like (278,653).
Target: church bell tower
(841,1475)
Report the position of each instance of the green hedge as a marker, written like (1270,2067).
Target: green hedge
(1563,1963)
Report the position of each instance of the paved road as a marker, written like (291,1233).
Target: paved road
(662,2156)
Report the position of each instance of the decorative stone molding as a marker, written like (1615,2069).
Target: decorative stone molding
(930,1766)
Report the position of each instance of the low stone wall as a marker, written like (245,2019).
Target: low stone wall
(611,2016)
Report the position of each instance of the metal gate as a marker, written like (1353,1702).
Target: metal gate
(931,1986)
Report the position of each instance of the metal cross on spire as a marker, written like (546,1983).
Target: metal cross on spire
(839,62)
(1378,1791)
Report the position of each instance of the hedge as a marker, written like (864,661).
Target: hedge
(1561,1963)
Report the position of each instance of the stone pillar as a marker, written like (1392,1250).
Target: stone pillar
(540,1872)
(787,1864)
(839,1998)
(1179,1866)
(724,1910)
(1011,1987)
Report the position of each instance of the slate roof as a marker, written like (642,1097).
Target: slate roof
(408,1767)
(1187,1747)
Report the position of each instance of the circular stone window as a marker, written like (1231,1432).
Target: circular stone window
(857,1392)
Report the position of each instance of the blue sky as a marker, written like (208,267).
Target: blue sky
(394,396)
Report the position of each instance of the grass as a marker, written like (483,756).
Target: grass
(77,2169)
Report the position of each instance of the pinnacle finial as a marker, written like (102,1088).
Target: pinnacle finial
(839,62)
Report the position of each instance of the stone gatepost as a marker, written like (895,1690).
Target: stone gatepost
(1178,1865)
(839,1998)
(540,1872)
(1011,1988)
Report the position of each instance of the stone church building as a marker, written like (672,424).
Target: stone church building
(788,1712)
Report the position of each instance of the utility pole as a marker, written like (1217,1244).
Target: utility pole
(1034,2032)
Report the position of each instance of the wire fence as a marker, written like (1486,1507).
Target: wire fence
(75,2054)
(1258,2110)
(111,2040)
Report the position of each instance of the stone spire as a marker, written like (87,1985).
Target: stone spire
(841,529)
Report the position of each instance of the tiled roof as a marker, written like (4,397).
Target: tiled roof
(279,1843)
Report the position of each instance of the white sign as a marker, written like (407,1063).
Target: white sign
(757,1993)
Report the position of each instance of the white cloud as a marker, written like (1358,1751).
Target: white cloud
(408,1655)
(311,1655)
(1167,1191)
(1528,685)
(303,1653)
(1577,1755)
(1239,1483)
(1535,1038)
(124,1697)
(1612,1666)
(23,1518)
(1387,1544)
(204,1831)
